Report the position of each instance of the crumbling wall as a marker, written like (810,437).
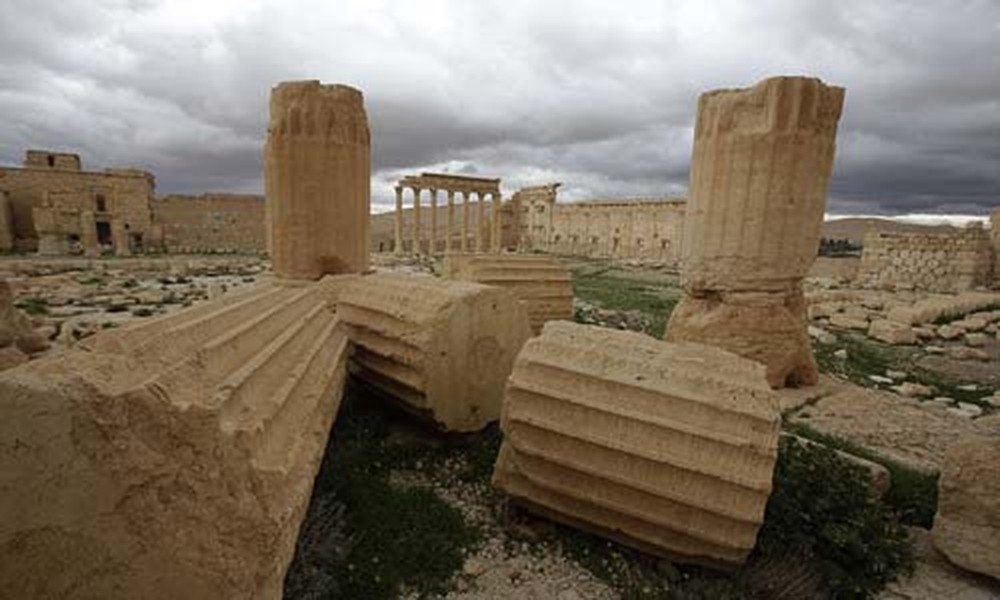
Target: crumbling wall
(6,223)
(939,262)
(210,223)
(64,191)
(648,229)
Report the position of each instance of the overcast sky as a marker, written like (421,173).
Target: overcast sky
(600,96)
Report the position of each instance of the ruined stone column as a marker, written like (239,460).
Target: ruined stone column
(398,249)
(497,226)
(465,221)
(759,173)
(450,225)
(317,169)
(480,221)
(415,225)
(88,234)
(119,238)
(432,243)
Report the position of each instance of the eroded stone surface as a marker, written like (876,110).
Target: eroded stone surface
(667,447)
(172,458)
(443,348)
(967,525)
(541,283)
(759,172)
(317,168)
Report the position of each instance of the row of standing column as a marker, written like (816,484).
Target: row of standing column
(479,243)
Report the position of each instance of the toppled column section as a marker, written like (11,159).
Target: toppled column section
(443,348)
(173,458)
(666,447)
(759,172)
(541,283)
(317,168)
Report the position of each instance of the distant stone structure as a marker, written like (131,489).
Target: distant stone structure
(6,222)
(476,230)
(317,176)
(211,223)
(760,168)
(56,207)
(640,228)
(939,262)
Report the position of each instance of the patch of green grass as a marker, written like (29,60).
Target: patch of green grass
(34,306)
(614,288)
(822,509)
(913,494)
(400,536)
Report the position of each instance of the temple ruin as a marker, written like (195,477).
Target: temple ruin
(760,167)
(478,226)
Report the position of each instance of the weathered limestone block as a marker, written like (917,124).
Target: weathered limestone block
(443,348)
(317,168)
(541,283)
(173,458)
(967,525)
(759,172)
(892,332)
(666,447)
(943,307)
(16,328)
(6,223)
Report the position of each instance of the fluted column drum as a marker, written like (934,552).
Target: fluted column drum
(317,168)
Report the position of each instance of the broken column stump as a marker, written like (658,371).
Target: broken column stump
(760,168)
(443,348)
(317,175)
(666,447)
(541,283)
(172,458)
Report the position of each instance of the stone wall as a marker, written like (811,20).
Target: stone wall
(111,207)
(6,223)
(995,234)
(641,228)
(933,262)
(212,223)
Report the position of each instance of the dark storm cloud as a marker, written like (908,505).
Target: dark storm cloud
(590,94)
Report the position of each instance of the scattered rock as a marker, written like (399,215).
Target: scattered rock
(841,354)
(967,353)
(975,339)
(892,332)
(11,357)
(967,526)
(947,332)
(912,390)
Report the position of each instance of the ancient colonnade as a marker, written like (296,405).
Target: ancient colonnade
(479,240)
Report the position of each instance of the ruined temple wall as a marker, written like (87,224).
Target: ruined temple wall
(211,223)
(640,229)
(950,262)
(6,223)
(126,196)
(995,235)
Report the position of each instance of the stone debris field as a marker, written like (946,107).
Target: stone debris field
(497,397)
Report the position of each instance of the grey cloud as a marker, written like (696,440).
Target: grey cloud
(591,94)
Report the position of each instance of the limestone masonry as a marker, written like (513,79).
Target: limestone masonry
(53,206)
(928,261)
(188,444)
(317,173)
(759,171)
(541,283)
(211,223)
(443,348)
(667,447)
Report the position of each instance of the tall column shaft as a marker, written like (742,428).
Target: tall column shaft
(497,226)
(465,222)
(415,233)
(317,171)
(760,168)
(480,221)
(398,245)
(450,223)
(432,243)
